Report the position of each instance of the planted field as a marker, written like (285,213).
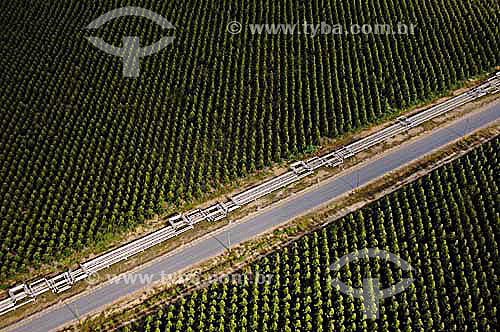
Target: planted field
(445,225)
(85,152)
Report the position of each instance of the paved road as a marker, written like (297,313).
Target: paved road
(273,217)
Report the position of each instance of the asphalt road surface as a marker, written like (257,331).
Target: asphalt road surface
(242,231)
